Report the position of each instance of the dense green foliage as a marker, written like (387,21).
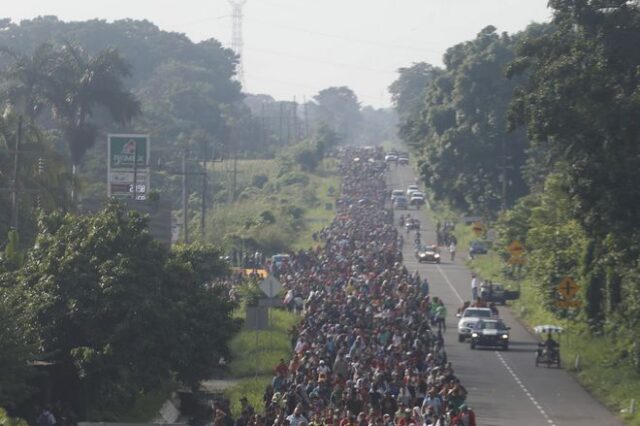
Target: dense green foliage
(456,118)
(572,86)
(100,295)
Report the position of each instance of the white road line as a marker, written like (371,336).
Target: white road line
(501,358)
(450,284)
(524,389)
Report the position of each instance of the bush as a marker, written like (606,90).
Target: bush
(293,178)
(259,180)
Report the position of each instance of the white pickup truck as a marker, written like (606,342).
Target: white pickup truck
(469,318)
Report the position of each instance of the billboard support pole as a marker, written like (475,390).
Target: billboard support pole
(135,173)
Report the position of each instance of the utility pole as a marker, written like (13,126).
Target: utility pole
(203,212)
(296,134)
(185,203)
(503,175)
(234,179)
(280,135)
(306,118)
(263,130)
(16,176)
(135,171)
(288,127)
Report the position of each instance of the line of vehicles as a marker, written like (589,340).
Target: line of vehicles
(412,197)
(482,327)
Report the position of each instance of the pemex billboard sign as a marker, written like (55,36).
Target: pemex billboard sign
(128,174)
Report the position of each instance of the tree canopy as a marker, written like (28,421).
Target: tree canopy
(101,296)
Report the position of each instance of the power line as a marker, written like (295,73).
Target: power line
(319,61)
(346,38)
(288,83)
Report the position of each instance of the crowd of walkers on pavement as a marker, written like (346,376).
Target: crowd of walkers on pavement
(369,349)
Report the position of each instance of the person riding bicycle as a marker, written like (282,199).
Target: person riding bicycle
(401,221)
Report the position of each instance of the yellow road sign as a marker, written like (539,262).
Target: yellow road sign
(517,260)
(568,288)
(478,228)
(568,304)
(515,248)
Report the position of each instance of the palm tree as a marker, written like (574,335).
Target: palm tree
(80,84)
(26,80)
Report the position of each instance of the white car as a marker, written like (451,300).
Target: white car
(411,189)
(417,200)
(396,193)
(468,320)
(390,157)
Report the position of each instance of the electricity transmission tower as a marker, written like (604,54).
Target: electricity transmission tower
(237,44)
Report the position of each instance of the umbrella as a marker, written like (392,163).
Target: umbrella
(548,329)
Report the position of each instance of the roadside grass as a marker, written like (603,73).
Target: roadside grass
(251,359)
(253,388)
(327,188)
(254,364)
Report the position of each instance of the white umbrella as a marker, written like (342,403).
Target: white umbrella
(548,329)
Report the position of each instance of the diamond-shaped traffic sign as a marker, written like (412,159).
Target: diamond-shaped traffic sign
(516,249)
(517,260)
(568,304)
(270,286)
(568,288)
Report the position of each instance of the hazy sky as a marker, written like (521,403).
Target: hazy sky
(298,47)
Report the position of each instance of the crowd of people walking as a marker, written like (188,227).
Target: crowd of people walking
(369,349)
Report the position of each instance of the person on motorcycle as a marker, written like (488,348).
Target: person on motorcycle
(550,346)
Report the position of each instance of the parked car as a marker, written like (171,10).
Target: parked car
(492,333)
(497,293)
(428,254)
(389,158)
(478,247)
(403,161)
(469,318)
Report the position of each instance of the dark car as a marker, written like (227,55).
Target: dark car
(428,254)
(478,247)
(490,332)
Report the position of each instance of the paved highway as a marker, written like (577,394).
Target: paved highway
(505,388)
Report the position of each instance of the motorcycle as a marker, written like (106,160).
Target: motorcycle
(547,356)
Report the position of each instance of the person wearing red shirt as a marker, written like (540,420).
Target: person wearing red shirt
(282,368)
(466,417)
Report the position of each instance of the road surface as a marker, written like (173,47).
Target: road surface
(505,388)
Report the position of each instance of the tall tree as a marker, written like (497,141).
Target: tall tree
(339,108)
(28,78)
(457,120)
(81,85)
(109,302)
(581,104)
